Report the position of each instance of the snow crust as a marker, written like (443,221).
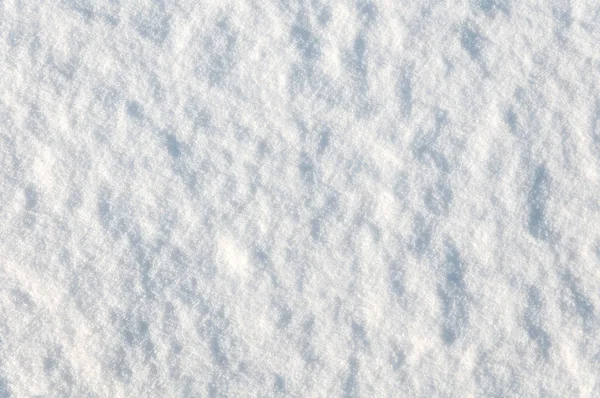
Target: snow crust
(319,198)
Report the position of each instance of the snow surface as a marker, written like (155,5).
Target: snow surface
(319,198)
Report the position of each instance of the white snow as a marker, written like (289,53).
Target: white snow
(354,198)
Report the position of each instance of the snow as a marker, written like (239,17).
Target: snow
(311,198)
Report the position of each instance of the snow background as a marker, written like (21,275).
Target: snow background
(261,198)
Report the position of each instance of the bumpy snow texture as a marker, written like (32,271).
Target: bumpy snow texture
(303,198)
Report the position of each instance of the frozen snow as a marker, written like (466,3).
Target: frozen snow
(303,198)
